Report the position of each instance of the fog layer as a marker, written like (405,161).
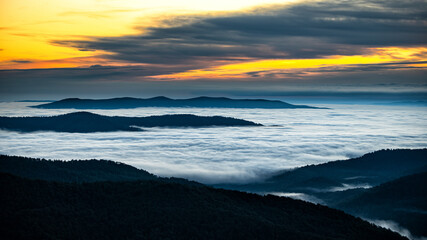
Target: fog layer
(290,138)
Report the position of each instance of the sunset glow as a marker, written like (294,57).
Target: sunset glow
(27,28)
(239,70)
(145,43)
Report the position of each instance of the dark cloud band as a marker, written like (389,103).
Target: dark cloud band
(304,30)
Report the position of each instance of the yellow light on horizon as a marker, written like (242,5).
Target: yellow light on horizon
(28,27)
(238,70)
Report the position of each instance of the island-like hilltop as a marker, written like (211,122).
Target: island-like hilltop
(86,122)
(199,102)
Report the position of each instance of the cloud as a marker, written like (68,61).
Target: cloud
(21,61)
(237,154)
(302,30)
(360,83)
(299,196)
(209,41)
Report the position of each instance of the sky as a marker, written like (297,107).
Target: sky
(51,49)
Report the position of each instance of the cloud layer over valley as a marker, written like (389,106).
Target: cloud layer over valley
(290,138)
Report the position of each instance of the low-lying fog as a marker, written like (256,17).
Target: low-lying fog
(290,138)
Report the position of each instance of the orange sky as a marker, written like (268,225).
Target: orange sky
(239,70)
(27,29)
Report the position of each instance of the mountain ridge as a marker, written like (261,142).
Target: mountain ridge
(160,209)
(403,200)
(87,122)
(358,186)
(162,101)
(370,169)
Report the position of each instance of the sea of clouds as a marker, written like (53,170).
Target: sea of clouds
(290,138)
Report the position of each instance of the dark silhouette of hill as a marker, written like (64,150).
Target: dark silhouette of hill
(71,171)
(36,209)
(201,102)
(403,201)
(369,170)
(86,122)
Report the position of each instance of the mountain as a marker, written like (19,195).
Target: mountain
(154,208)
(365,186)
(368,170)
(71,171)
(86,122)
(199,102)
(403,201)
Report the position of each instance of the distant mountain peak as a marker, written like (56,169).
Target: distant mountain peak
(160,98)
(69,99)
(80,113)
(162,101)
